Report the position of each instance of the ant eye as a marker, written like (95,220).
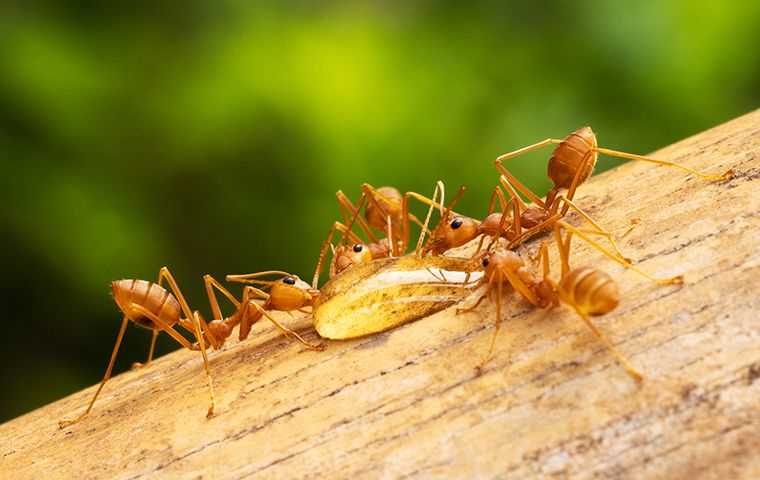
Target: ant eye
(358,248)
(456,223)
(289,280)
(485,262)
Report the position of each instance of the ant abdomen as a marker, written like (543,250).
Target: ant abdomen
(151,296)
(392,199)
(590,290)
(571,155)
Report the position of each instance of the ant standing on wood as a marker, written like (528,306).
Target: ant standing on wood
(150,305)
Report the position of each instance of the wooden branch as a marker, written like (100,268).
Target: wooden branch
(552,402)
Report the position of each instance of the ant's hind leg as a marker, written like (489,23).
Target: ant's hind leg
(165,275)
(620,358)
(512,179)
(183,341)
(497,327)
(677,280)
(66,423)
(151,350)
(597,229)
(439,190)
(630,156)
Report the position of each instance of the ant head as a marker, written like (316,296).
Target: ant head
(453,231)
(349,255)
(290,293)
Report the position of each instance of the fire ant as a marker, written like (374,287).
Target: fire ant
(588,291)
(571,164)
(150,305)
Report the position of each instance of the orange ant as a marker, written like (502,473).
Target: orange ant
(150,305)
(571,164)
(588,291)
(384,202)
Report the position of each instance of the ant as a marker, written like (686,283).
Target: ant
(588,291)
(152,306)
(384,202)
(571,164)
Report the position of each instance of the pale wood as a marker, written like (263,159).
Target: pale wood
(409,403)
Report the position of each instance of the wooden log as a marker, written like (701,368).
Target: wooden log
(408,402)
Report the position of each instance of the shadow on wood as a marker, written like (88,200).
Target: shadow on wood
(408,402)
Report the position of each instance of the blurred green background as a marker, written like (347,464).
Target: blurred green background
(211,136)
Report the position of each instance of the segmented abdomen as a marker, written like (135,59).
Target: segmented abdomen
(569,156)
(593,291)
(151,296)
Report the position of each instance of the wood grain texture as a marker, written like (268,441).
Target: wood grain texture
(408,402)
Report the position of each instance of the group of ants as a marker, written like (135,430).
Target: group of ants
(588,291)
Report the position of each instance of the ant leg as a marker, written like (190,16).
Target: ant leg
(630,156)
(286,331)
(164,273)
(517,205)
(564,249)
(152,349)
(246,320)
(522,188)
(543,259)
(230,322)
(660,281)
(211,283)
(598,230)
(534,230)
(183,341)
(439,189)
(477,303)
(328,241)
(66,423)
(352,213)
(497,325)
(251,277)
(620,358)
(496,194)
(585,166)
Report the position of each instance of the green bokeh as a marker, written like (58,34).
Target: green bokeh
(211,137)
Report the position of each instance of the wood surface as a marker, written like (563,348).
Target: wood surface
(409,403)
